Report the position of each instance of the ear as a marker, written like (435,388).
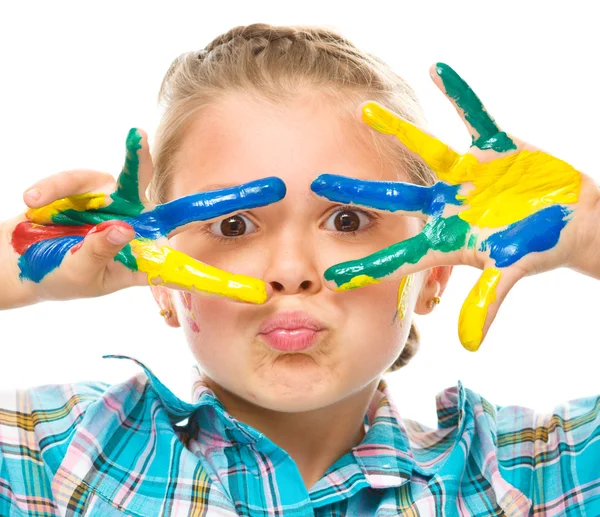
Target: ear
(436,280)
(164,300)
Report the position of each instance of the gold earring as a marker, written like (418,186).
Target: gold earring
(433,302)
(166,313)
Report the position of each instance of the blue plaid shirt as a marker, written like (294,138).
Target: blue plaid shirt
(134,448)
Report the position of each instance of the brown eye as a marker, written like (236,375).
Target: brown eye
(233,226)
(347,221)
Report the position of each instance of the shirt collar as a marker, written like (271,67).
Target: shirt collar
(384,456)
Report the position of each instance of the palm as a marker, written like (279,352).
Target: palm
(501,207)
(58,228)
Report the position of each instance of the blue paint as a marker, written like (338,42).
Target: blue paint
(163,219)
(43,257)
(209,205)
(387,195)
(537,232)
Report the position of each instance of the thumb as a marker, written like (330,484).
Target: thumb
(101,244)
(482,304)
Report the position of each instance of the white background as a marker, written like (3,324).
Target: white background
(76,76)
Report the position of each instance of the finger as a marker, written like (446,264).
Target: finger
(392,196)
(67,183)
(485,133)
(167,218)
(137,172)
(101,245)
(481,306)
(43,248)
(171,267)
(438,244)
(66,210)
(438,156)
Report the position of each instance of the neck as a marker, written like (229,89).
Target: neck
(314,439)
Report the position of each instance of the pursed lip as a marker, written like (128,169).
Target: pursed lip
(290,320)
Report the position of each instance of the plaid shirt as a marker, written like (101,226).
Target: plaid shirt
(96,449)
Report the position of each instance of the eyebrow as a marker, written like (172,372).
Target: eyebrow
(217,186)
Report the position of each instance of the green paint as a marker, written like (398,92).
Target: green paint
(472,241)
(127,195)
(126,257)
(126,201)
(489,135)
(440,234)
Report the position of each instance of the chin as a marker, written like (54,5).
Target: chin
(290,396)
(292,405)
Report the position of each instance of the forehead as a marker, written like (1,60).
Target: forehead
(240,138)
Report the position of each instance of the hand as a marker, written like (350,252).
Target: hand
(505,207)
(62,245)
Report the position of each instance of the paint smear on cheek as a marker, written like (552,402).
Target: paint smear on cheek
(403,294)
(186,299)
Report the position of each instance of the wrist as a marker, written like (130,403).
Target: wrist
(588,250)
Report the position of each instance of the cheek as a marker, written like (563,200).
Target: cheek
(375,333)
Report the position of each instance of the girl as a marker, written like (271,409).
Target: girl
(291,415)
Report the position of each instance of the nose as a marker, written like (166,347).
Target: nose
(292,268)
(279,287)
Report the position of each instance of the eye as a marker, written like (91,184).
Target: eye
(233,226)
(347,221)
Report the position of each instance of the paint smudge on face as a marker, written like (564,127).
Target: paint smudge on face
(403,296)
(475,308)
(186,299)
(60,226)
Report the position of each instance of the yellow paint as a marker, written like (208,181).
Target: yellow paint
(176,268)
(79,202)
(474,311)
(358,281)
(439,155)
(403,295)
(505,189)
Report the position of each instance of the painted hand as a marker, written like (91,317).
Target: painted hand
(58,228)
(505,207)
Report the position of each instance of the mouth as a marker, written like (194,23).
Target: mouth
(291,331)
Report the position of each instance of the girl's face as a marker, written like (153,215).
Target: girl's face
(289,245)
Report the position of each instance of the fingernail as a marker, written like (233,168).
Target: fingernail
(34,193)
(116,237)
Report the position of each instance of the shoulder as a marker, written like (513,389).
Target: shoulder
(32,419)
(37,427)
(27,408)
(548,454)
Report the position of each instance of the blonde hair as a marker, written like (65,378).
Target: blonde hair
(277,62)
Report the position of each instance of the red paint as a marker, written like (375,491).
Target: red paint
(193,325)
(101,227)
(186,298)
(26,234)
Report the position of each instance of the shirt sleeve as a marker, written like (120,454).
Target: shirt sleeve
(553,456)
(35,425)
